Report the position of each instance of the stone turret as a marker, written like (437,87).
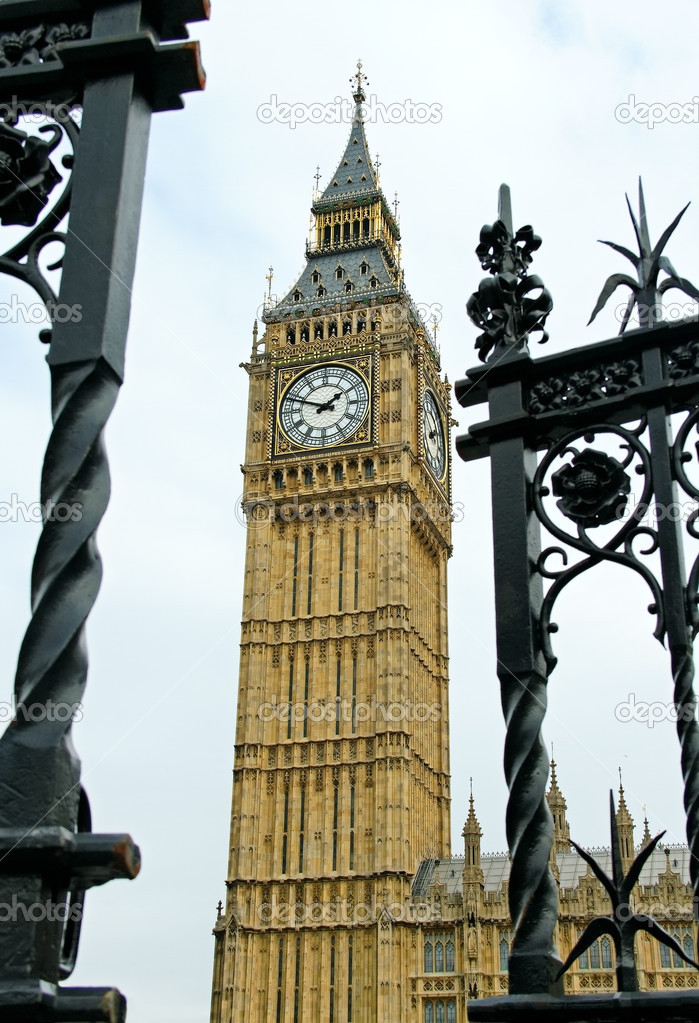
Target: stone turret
(558,807)
(625,825)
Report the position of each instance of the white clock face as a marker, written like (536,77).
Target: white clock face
(435,448)
(324,406)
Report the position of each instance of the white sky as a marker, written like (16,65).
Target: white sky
(528,93)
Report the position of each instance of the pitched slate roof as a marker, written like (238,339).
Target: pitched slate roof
(572,867)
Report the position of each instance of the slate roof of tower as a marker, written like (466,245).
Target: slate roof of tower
(355,172)
(355,179)
(326,266)
(571,866)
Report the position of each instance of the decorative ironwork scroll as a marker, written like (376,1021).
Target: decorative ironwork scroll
(94,82)
(602,415)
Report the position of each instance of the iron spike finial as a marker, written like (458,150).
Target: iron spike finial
(646,292)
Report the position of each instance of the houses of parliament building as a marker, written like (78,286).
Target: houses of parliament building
(344,902)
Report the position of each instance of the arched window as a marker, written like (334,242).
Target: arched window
(321,291)
(332,328)
(439,957)
(687,947)
(339,273)
(318,331)
(504,955)
(665,957)
(346,327)
(361,324)
(369,469)
(449,965)
(440,1013)
(363,269)
(326,235)
(373,282)
(338,473)
(428,960)
(315,277)
(291,336)
(349,286)
(606,954)
(307,476)
(451,1011)
(278,480)
(429,1012)
(594,956)
(305,332)
(297,296)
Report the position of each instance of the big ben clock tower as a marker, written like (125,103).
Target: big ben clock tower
(341,773)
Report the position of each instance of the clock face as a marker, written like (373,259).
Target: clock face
(324,406)
(435,448)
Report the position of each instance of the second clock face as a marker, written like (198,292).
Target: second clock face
(324,406)
(435,448)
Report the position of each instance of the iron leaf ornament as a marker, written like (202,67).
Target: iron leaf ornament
(510,304)
(27,176)
(646,293)
(623,926)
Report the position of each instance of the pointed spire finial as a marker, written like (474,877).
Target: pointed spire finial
(269,277)
(316,176)
(360,80)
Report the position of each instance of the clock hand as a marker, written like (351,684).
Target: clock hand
(329,406)
(305,401)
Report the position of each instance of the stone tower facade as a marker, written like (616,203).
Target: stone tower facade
(341,772)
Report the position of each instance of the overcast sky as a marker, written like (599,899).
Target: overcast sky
(527,93)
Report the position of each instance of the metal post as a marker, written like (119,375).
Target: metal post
(623,390)
(107,58)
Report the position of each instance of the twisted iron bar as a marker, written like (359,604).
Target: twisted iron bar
(66,577)
(682,659)
(533,896)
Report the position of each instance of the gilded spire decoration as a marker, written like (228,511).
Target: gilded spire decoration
(360,80)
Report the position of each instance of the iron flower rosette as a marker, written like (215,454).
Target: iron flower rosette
(593,488)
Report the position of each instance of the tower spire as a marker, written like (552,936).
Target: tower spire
(625,826)
(473,874)
(558,807)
